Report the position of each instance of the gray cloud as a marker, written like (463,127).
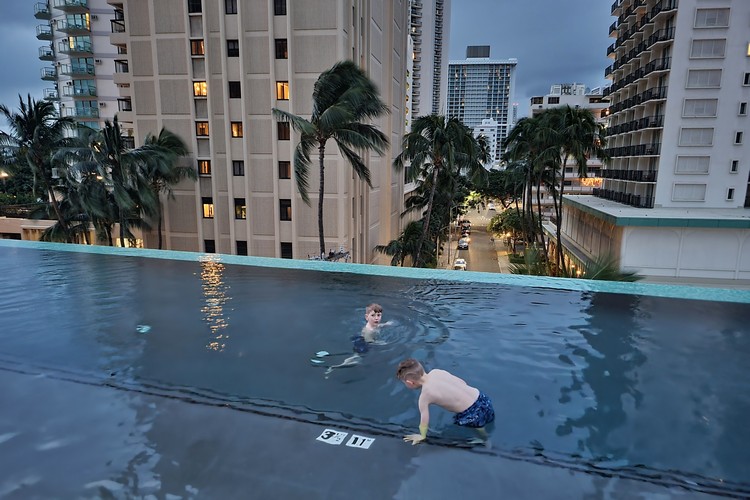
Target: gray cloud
(554,41)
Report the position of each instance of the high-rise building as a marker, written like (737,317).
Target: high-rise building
(480,88)
(212,71)
(430,20)
(80,57)
(674,200)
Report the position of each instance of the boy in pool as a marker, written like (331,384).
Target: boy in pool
(361,343)
(472,407)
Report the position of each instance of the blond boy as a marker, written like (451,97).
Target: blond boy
(439,387)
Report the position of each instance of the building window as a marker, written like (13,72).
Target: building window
(238,168)
(236,129)
(738,137)
(282,91)
(705,49)
(196,48)
(194,7)
(209,246)
(730,194)
(743,109)
(553,100)
(283,130)
(693,108)
(240,209)
(703,79)
(200,89)
(201,129)
(235,90)
(285,170)
(233,48)
(204,167)
(734,167)
(689,192)
(746,79)
(230,6)
(696,137)
(279,7)
(285,209)
(712,18)
(281,49)
(208,208)
(286,250)
(241,247)
(692,164)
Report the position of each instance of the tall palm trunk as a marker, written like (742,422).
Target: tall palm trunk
(427,216)
(558,222)
(542,242)
(322,190)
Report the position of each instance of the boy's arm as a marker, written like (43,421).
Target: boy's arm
(424,422)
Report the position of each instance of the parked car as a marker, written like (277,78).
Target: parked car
(491,206)
(460,265)
(463,244)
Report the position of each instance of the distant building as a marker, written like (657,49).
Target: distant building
(430,29)
(481,88)
(490,129)
(674,203)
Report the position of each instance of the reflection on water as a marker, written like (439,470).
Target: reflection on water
(215,297)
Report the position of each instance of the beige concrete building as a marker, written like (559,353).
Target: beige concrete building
(211,71)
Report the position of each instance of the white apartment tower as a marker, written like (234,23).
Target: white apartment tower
(80,57)
(212,70)
(674,200)
(679,97)
(430,20)
(480,88)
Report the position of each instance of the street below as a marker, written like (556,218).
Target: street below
(482,254)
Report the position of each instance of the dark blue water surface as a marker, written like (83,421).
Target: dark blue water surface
(618,381)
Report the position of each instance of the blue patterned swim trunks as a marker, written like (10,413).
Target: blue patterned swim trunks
(479,414)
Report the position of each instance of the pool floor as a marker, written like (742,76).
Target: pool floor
(66,438)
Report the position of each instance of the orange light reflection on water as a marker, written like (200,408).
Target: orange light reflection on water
(215,296)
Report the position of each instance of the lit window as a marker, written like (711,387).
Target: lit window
(285,170)
(283,130)
(240,209)
(282,91)
(201,129)
(285,209)
(196,48)
(238,168)
(204,167)
(200,89)
(208,208)
(236,129)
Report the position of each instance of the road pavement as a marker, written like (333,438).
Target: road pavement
(483,254)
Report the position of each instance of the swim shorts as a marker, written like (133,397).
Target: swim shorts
(479,414)
(359,344)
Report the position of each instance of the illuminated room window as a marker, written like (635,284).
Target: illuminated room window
(200,89)
(204,167)
(282,91)
(201,129)
(285,209)
(196,48)
(208,208)
(236,129)
(240,209)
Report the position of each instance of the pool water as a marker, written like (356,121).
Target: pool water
(628,382)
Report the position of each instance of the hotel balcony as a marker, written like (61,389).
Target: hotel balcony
(47,53)
(72,6)
(634,150)
(51,95)
(78,70)
(84,113)
(78,27)
(634,200)
(75,49)
(42,11)
(49,74)
(44,32)
(85,92)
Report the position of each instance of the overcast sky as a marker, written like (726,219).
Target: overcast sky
(554,42)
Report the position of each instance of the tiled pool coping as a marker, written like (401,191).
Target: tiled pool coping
(580,285)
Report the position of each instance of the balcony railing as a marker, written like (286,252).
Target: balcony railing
(49,74)
(82,112)
(44,32)
(46,53)
(72,5)
(42,10)
(51,94)
(629,175)
(652,149)
(75,48)
(72,91)
(77,70)
(77,27)
(634,200)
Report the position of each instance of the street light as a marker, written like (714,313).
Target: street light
(4,175)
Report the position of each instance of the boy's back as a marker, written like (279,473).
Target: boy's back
(448,391)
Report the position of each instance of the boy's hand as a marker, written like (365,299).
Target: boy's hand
(414,438)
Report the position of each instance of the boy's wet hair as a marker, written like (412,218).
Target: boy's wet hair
(374,307)
(409,369)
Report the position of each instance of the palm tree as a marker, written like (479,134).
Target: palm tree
(343,99)
(404,246)
(437,144)
(163,172)
(36,133)
(578,136)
